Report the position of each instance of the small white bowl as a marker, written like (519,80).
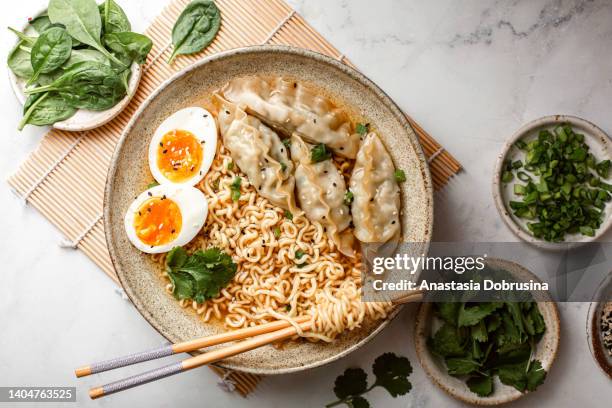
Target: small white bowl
(434,367)
(599,144)
(83,119)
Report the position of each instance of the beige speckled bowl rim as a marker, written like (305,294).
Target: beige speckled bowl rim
(83,119)
(593,326)
(497,185)
(362,79)
(427,360)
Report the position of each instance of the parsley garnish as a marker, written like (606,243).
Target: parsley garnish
(235,188)
(199,276)
(481,340)
(299,254)
(277,232)
(362,129)
(391,373)
(320,153)
(400,176)
(348,197)
(288,215)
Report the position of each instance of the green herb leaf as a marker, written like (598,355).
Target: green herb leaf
(362,129)
(288,215)
(200,276)
(535,375)
(461,365)
(152,184)
(230,165)
(481,385)
(392,373)
(348,197)
(235,188)
(399,175)
(195,28)
(320,153)
(277,232)
(469,316)
(447,342)
(448,311)
(358,402)
(354,381)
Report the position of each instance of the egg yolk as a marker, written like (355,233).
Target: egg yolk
(179,155)
(158,221)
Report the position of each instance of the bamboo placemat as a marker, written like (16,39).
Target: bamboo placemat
(64,177)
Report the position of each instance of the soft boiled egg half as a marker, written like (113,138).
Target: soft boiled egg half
(183,147)
(165,216)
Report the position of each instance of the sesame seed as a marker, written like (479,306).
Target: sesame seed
(393,222)
(165,151)
(227,112)
(334,184)
(149,194)
(341,148)
(161,144)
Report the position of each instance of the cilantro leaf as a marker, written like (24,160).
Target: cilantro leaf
(358,402)
(320,153)
(400,175)
(199,276)
(362,129)
(461,365)
(448,311)
(392,373)
(479,332)
(469,316)
(514,375)
(354,381)
(482,385)
(535,375)
(446,342)
(235,188)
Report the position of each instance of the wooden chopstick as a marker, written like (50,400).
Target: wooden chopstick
(260,336)
(184,347)
(197,361)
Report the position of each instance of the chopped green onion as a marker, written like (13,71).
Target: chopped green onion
(400,176)
(320,153)
(235,188)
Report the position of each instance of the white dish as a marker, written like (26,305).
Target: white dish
(600,147)
(83,119)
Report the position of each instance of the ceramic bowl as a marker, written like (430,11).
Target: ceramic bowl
(83,119)
(594,331)
(600,146)
(435,368)
(129,174)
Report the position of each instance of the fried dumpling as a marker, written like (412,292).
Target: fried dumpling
(320,191)
(291,107)
(376,195)
(258,152)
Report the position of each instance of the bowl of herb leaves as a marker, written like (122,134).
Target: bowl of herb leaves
(493,352)
(76,64)
(553,182)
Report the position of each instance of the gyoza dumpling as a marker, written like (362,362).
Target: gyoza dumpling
(258,152)
(320,191)
(291,107)
(376,195)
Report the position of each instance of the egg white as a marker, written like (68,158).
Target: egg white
(192,204)
(202,125)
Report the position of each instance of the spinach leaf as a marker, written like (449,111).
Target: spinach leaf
(19,61)
(113,18)
(195,28)
(50,51)
(82,21)
(45,109)
(26,39)
(41,23)
(133,45)
(87,85)
(78,55)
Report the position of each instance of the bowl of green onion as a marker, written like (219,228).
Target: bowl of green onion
(553,182)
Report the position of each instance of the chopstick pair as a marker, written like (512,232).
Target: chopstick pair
(256,336)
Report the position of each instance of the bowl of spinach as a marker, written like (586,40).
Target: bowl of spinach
(489,352)
(76,64)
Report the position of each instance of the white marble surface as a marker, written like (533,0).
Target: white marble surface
(470,72)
